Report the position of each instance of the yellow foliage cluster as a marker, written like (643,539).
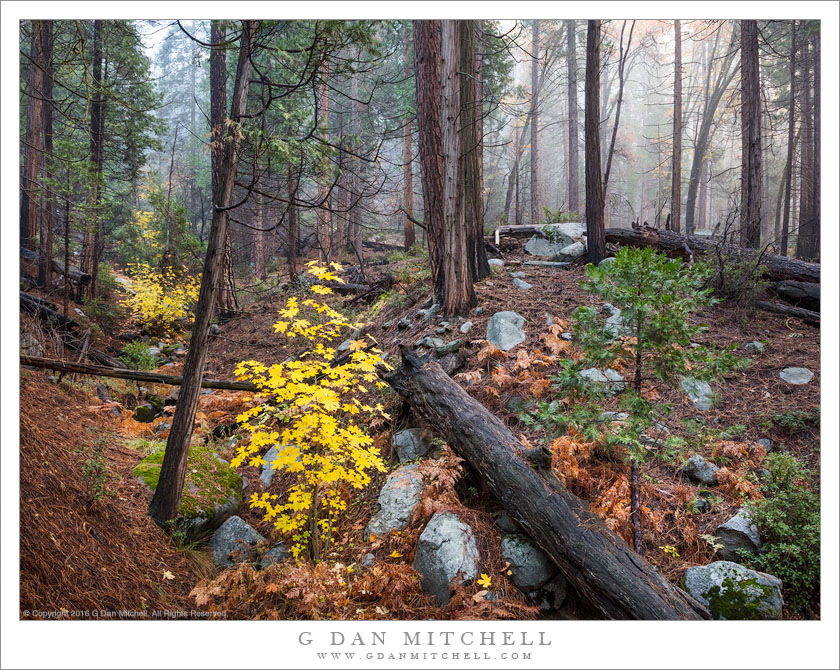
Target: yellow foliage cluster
(316,399)
(143,220)
(161,297)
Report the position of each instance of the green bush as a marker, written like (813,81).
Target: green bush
(788,519)
(136,356)
(559,216)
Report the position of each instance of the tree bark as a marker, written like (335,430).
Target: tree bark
(428,88)
(536,211)
(167,497)
(32,147)
(291,214)
(799,293)
(470,160)
(408,181)
(48,213)
(676,245)
(750,137)
(323,213)
(226,294)
(458,295)
(676,158)
(601,568)
(571,66)
(808,316)
(592,131)
(804,240)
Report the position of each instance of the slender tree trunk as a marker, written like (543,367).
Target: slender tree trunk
(32,148)
(750,137)
(479,128)
(259,241)
(815,203)
(427,74)
(571,65)
(45,268)
(804,240)
(226,295)
(458,295)
(536,180)
(470,140)
(167,497)
(324,250)
(291,214)
(592,131)
(701,201)
(676,159)
(408,182)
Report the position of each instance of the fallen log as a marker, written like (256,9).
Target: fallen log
(75,275)
(598,564)
(799,294)
(382,246)
(676,245)
(134,375)
(809,317)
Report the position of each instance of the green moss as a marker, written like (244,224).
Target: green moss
(208,482)
(737,600)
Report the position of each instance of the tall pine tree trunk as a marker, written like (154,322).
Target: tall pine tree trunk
(167,497)
(536,211)
(408,183)
(814,251)
(750,137)
(806,170)
(291,215)
(47,216)
(226,295)
(32,146)
(427,75)
(592,132)
(676,158)
(571,65)
(322,211)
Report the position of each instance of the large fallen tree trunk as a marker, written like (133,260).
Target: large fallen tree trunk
(135,375)
(75,275)
(682,246)
(599,565)
(799,293)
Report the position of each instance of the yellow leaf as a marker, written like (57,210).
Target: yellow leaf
(394,554)
(484,581)
(168,575)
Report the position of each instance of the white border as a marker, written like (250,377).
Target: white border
(574,644)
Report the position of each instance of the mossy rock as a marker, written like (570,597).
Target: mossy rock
(733,592)
(212,490)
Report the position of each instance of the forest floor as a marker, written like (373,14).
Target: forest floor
(78,554)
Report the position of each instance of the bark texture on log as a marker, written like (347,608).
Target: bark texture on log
(602,569)
(676,245)
(799,293)
(75,275)
(809,317)
(135,375)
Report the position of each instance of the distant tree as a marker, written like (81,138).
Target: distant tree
(791,148)
(676,160)
(536,177)
(32,142)
(571,62)
(408,181)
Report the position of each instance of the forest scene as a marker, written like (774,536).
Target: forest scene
(504,320)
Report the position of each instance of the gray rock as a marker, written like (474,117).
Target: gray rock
(266,471)
(368,560)
(699,392)
(530,566)
(466,327)
(766,443)
(145,413)
(215,331)
(440,330)
(607,261)
(446,550)
(614,416)
(154,352)
(518,405)
(796,376)
(163,426)
(700,506)
(429,313)
(540,246)
(409,445)
(404,323)
(549,320)
(397,500)
(608,381)
(505,523)
(700,470)
(274,555)
(387,324)
(30,346)
(449,348)
(518,275)
(478,311)
(738,533)
(732,592)
(567,336)
(496,264)
(615,324)
(551,596)
(504,330)
(755,347)
(572,251)
(521,284)
(432,342)
(234,534)
(554,238)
